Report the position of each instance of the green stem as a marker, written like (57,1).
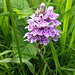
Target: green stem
(15,33)
(40,64)
(40,59)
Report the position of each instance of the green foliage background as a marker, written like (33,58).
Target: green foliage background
(58,58)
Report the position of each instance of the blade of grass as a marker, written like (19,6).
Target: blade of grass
(48,2)
(44,70)
(58,1)
(72,39)
(4,46)
(46,63)
(74,73)
(57,7)
(15,14)
(72,26)
(5,10)
(7,24)
(44,51)
(61,7)
(44,1)
(65,24)
(5,52)
(16,60)
(6,66)
(68,69)
(15,33)
(55,58)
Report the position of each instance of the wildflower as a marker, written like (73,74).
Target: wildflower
(42,25)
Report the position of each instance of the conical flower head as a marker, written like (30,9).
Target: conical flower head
(42,26)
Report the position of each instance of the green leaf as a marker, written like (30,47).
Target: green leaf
(21,16)
(68,69)
(5,52)
(21,6)
(72,40)
(55,58)
(58,1)
(15,14)
(1,6)
(29,55)
(65,24)
(3,46)
(16,60)
(25,47)
(72,26)
(44,70)
(74,73)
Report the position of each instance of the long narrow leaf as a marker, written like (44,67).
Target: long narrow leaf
(15,14)
(55,57)
(16,60)
(65,24)
(5,52)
